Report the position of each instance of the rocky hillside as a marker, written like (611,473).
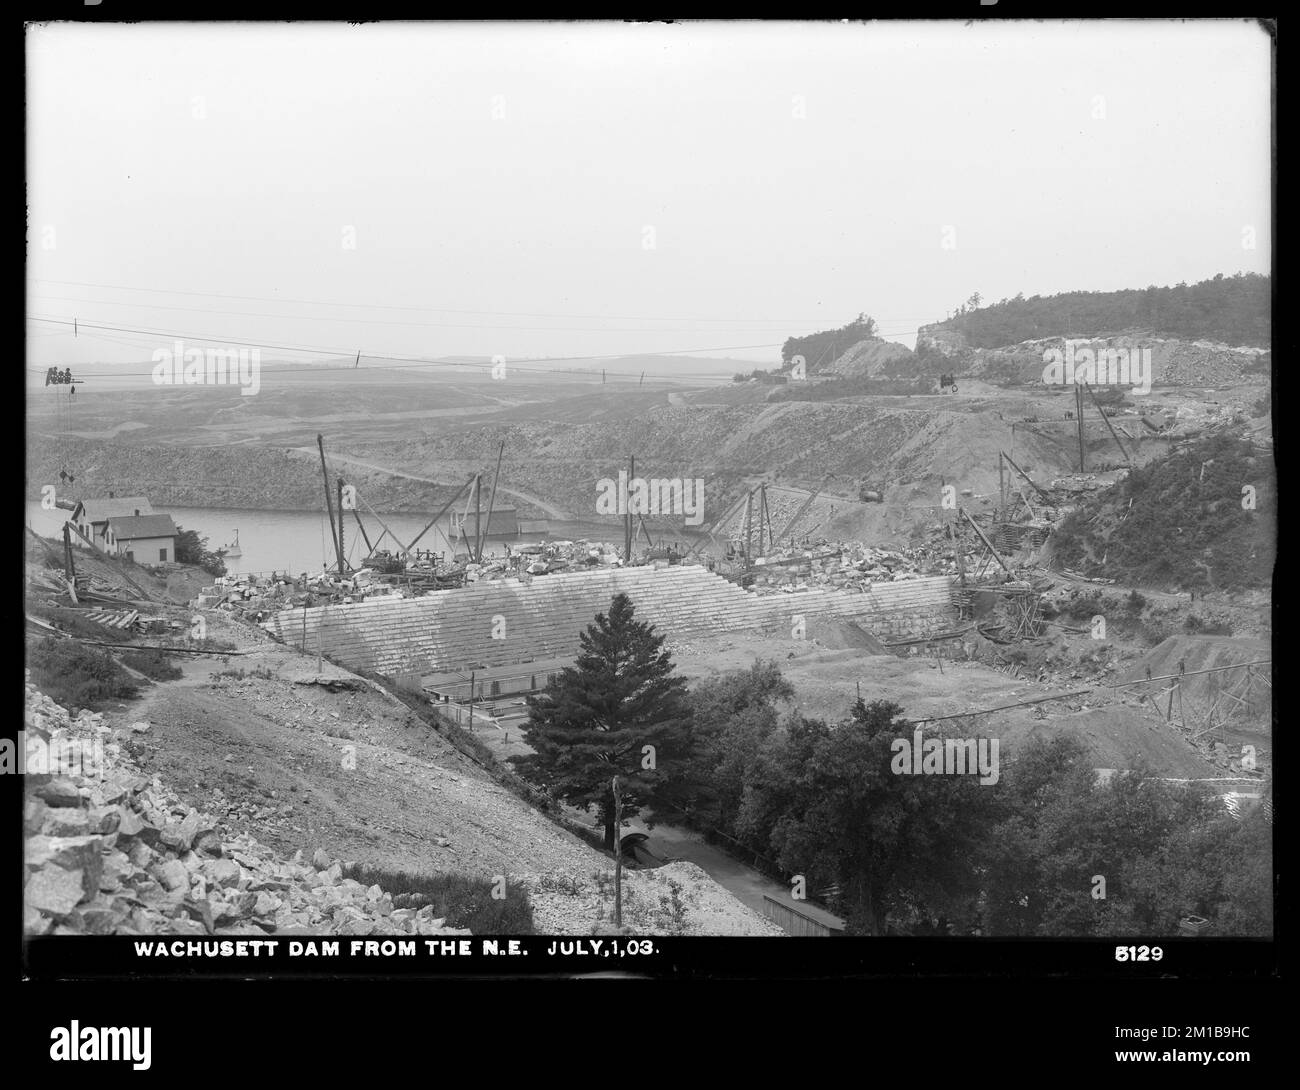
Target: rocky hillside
(875,358)
(728,446)
(1173,362)
(223,804)
(252,477)
(112,851)
(560,462)
(1184,521)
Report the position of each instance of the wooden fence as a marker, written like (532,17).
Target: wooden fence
(799,923)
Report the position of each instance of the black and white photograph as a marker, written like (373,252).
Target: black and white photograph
(602,490)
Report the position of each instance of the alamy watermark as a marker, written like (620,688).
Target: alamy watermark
(33,755)
(921,756)
(181,366)
(114,1044)
(1098,367)
(657,496)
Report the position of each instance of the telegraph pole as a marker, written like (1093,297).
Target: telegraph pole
(1078,419)
(1002,488)
(492,499)
(618,855)
(477,552)
(325,474)
(68,569)
(340,540)
(627,517)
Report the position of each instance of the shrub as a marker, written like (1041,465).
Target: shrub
(1182,524)
(76,624)
(672,914)
(1156,631)
(210,644)
(77,676)
(193,549)
(462,900)
(156,665)
(1197,625)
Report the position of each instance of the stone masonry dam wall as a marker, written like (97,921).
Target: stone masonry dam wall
(453,629)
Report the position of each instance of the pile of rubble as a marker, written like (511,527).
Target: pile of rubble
(852,564)
(542,559)
(110,851)
(1207,363)
(252,596)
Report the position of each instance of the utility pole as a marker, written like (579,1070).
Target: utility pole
(342,562)
(492,498)
(477,552)
(627,516)
(1078,419)
(325,475)
(618,855)
(68,569)
(1002,488)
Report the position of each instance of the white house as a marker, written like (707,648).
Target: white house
(146,539)
(91,516)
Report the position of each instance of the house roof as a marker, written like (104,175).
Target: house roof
(107,507)
(131,527)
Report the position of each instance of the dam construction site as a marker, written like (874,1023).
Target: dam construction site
(931,528)
(620,500)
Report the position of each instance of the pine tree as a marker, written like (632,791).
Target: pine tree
(595,720)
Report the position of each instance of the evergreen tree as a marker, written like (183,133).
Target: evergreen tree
(595,720)
(193,549)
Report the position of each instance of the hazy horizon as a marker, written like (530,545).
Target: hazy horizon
(583,190)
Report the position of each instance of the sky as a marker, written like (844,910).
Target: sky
(554,190)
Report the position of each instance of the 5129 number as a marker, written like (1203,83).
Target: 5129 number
(1138,953)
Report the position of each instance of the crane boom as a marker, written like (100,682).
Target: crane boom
(803,507)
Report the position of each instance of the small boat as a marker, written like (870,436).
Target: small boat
(233,550)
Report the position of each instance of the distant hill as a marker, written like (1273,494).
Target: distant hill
(821,350)
(677,367)
(1234,310)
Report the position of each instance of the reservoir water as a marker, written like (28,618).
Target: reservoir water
(299,541)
